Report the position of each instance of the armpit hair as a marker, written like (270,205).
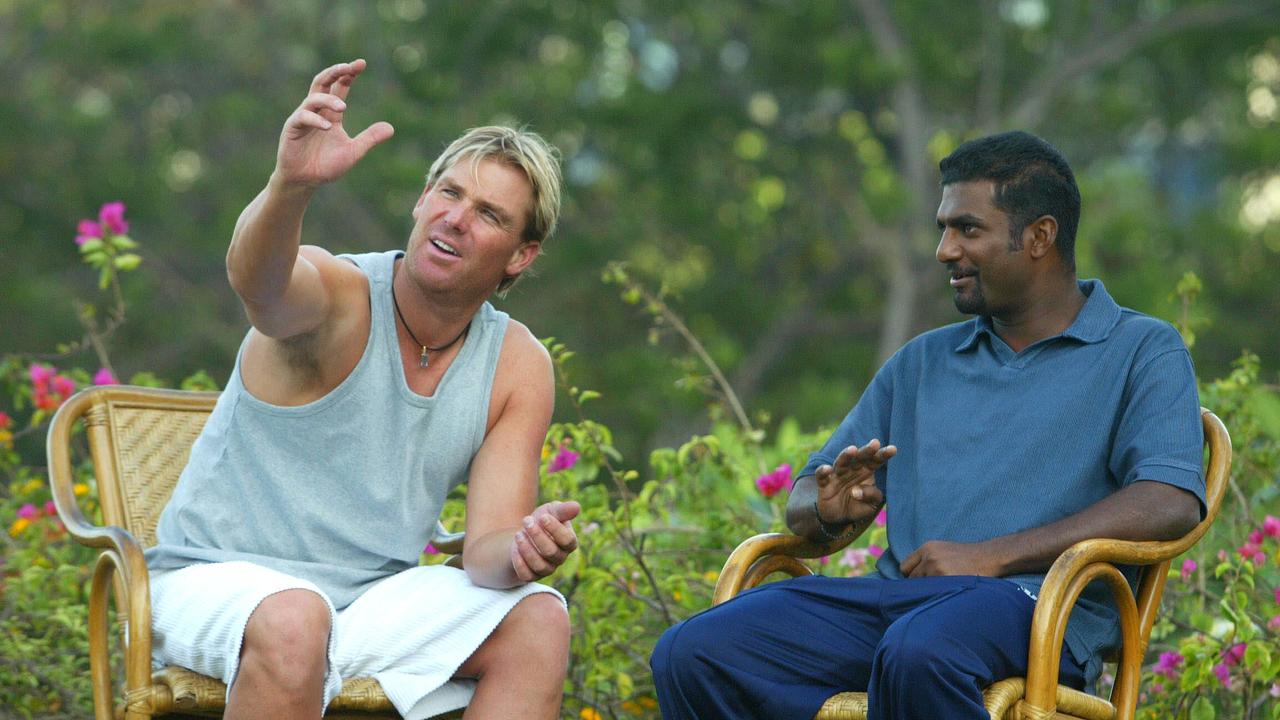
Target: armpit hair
(302,354)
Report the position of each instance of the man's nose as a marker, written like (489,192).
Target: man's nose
(948,250)
(457,216)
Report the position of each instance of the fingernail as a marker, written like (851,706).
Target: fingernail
(528,522)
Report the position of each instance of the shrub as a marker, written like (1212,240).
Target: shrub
(651,543)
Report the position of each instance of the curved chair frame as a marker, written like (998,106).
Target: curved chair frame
(1038,696)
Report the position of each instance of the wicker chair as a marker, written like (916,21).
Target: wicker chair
(1038,696)
(139,440)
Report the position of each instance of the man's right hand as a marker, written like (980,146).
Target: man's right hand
(314,146)
(847,490)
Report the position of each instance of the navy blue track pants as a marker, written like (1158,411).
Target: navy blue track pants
(920,648)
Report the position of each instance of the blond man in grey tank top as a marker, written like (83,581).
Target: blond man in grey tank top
(478,224)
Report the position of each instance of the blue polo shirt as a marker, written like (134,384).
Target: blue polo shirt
(992,442)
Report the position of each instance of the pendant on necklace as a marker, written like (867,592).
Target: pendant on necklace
(422,361)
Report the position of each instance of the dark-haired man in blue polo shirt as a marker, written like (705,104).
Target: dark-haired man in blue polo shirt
(1053,416)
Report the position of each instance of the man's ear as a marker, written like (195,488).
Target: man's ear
(523,257)
(422,200)
(1041,235)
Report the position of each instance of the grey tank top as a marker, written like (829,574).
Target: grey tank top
(345,490)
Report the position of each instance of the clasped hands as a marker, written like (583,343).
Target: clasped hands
(545,540)
(847,493)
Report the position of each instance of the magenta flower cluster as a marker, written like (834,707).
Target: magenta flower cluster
(48,388)
(110,220)
(1252,548)
(562,460)
(772,483)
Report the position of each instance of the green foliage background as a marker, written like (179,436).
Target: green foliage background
(769,168)
(772,163)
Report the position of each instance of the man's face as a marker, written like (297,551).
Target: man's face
(989,275)
(468,227)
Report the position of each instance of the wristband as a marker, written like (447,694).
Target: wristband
(825,529)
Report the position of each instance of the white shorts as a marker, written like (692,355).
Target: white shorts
(411,631)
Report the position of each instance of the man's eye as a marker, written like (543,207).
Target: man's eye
(490,215)
(449,192)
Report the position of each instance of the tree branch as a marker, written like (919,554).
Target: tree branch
(991,74)
(1034,104)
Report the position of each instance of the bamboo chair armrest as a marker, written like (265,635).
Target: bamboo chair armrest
(1080,564)
(121,554)
(773,552)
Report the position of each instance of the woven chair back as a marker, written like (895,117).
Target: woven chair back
(140,440)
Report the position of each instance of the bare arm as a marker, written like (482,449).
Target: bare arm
(508,541)
(1145,510)
(285,291)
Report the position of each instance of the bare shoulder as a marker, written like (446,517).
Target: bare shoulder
(520,346)
(524,378)
(341,277)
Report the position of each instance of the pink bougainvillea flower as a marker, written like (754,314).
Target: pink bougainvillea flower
(1255,537)
(86,231)
(1232,655)
(1223,672)
(882,517)
(1188,566)
(771,483)
(1274,623)
(64,386)
(430,550)
(44,401)
(112,217)
(1275,690)
(1278,596)
(1157,688)
(5,421)
(563,460)
(104,377)
(1271,526)
(50,509)
(28,512)
(41,374)
(1251,551)
(855,558)
(1168,664)
(824,559)
(875,550)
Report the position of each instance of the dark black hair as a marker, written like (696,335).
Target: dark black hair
(1032,179)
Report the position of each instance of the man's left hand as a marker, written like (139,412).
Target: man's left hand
(939,557)
(545,540)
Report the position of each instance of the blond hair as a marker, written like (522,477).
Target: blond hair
(521,149)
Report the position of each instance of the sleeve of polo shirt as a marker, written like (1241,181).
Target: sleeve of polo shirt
(868,419)
(1159,436)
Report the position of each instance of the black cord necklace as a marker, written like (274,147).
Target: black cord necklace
(422,360)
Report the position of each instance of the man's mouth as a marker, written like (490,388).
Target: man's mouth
(444,247)
(961,277)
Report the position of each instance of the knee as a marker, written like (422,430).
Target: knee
(910,652)
(287,638)
(684,647)
(538,624)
